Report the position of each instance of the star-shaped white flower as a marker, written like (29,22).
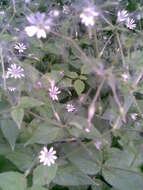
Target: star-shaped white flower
(47,157)
(122,16)
(53,90)
(40,25)
(15,71)
(130,23)
(20,47)
(70,108)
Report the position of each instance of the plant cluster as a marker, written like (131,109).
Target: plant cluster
(71,95)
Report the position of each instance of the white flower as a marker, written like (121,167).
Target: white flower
(139,17)
(98,144)
(27,1)
(130,23)
(53,90)
(47,157)
(70,108)
(20,47)
(11,89)
(54,13)
(122,16)
(88,16)
(87,130)
(66,9)
(125,77)
(15,71)
(134,116)
(39,25)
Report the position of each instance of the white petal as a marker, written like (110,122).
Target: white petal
(31,30)
(52,161)
(54,157)
(45,149)
(41,33)
(51,149)
(53,152)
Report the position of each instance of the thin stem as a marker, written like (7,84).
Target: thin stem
(44,119)
(96,45)
(102,51)
(107,21)
(91,109)
(3,69)
(118,120)
(121,49)
(14,7)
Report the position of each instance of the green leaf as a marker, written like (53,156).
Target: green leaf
(120,172)
(79,125)
(44,134)
(101,186)
(31,73)
(79,86)
(89,162)
(122,179)
(17,115)
(21,159)
(10,131)
(82,77)
(78,187)
(72,75)
(3,104)
(43,175)
(12,181)
(65,83)
(37,188)
(29,102)
(87,69)
(71,176)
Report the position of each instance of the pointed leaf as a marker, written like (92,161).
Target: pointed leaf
(10,131)
(43,175)
(17,115)
(71,176)
(44,135)
(37,188)
(79,86)
(12,181)
(29,102)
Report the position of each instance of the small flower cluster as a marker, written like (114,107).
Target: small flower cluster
(48,157)
(53,93)
(123,16)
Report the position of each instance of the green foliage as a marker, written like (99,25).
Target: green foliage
(44,175)
(96,69)
(12,180)
(44,134)
(70,176)
(10,131)
(17,115)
